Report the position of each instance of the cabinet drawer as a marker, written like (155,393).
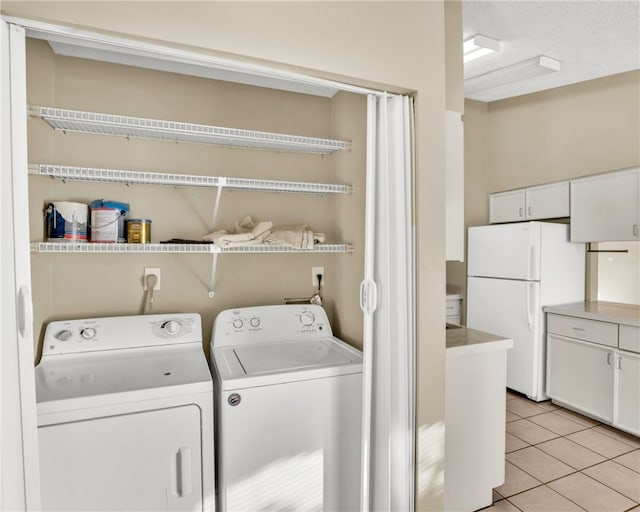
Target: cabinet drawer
(603,333)
(630,338)
(453,319)
(453,307)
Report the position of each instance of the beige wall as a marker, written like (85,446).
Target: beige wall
(453,48)
(396,43)
(553,135)
(566,132)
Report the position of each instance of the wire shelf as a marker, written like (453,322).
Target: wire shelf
(337,248)
(184,180)
(111,248)
(111,124)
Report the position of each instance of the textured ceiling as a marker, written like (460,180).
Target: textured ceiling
(591,39)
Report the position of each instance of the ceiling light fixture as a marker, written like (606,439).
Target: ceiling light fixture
(478,46)
(525,70)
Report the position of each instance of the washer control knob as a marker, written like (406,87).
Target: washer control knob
(307,318)
(171,327)
(88,333)
(63,335)
(237,323)
(255,322)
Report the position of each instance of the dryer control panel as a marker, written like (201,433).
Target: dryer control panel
(264,324)
(123,332)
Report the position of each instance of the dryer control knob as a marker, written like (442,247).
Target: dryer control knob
(88,333)
(255,322)
(63,335)
(238,323)
(307,318)
(171,327)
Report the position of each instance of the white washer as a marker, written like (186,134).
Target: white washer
(125,418)
(288,400)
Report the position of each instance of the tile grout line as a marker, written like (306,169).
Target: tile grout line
(636,503)
(606,433)
(606,458)
(564,476)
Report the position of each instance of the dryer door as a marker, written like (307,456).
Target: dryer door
(143,461)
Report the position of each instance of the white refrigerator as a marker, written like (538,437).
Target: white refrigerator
(513,271)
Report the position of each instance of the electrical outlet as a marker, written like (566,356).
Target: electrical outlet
(314,275)
(151,270)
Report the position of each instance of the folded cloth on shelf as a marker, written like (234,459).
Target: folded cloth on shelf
(299,237)
(247,233)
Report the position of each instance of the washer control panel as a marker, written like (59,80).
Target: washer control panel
(111,333)
(263,324)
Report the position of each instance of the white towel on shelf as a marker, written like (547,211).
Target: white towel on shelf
(247,233)
(298,237)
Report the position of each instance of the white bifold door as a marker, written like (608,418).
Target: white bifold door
(510,308)
(387,300)
(19,484)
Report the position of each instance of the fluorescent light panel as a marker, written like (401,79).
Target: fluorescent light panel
(525,70)
(478,46)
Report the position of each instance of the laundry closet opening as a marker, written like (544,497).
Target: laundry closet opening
(73,285)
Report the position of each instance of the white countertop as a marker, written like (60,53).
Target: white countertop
(464,341)
(626,314)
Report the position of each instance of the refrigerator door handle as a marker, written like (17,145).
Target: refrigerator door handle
(529,302)
(531,261)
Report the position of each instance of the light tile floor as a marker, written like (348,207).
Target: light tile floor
(558,460)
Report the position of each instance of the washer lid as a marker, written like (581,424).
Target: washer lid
(284,361)
(290,355)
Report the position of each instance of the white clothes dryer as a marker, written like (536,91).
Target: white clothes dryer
(125,419)
(288,398)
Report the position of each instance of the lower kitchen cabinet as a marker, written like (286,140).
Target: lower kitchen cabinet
(581,375)
(593,365)
(476,378)
(627,403)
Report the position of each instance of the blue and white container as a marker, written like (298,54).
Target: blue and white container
(66,221)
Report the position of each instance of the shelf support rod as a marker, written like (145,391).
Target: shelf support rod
(212,279)
(222,182)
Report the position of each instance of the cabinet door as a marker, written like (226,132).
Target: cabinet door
(144,461)
(581,375)
(627,415)
(454,204)
(507,206)
(606,207)
(547,201)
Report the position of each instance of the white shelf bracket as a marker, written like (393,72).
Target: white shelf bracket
(222,182)
(212,280)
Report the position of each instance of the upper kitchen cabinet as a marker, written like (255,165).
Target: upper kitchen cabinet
(454,208)
(606,207)
(549,201)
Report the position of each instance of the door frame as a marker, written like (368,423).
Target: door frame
(156,56)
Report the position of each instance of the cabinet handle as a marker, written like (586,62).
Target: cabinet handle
(619,363)
(635,230)
(609,354)
(519,212)
(529,210)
